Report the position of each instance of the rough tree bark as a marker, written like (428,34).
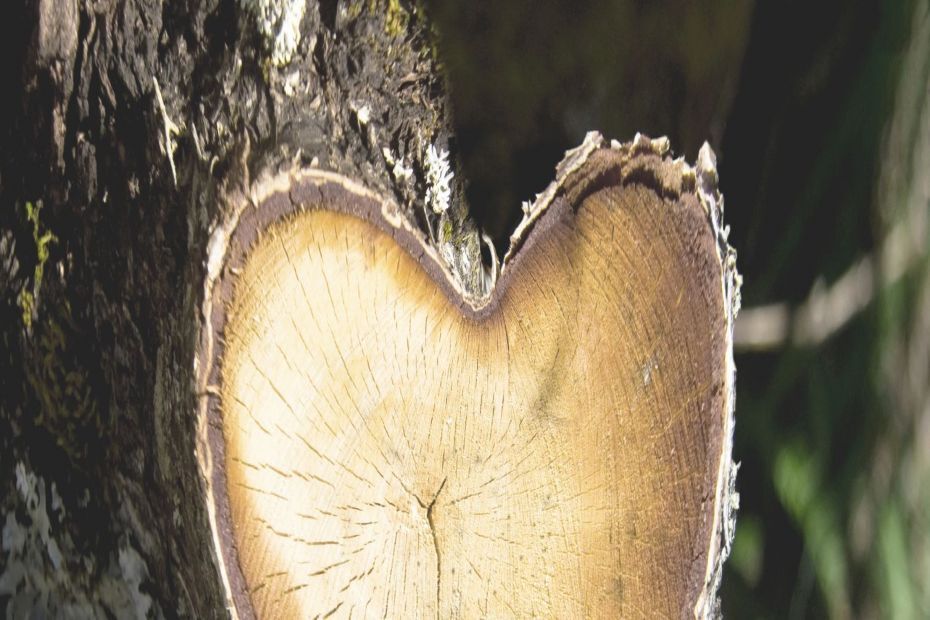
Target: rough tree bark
(134,124)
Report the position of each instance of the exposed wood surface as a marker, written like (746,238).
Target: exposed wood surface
(138,128)
(390,451)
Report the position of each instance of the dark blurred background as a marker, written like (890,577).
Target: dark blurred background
(820,115)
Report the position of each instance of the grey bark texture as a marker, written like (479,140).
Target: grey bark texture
(126,123)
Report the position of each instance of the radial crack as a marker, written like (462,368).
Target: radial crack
(432,529)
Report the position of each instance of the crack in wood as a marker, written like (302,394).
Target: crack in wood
(432,529)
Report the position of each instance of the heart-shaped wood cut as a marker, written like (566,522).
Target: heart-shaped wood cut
(378,444)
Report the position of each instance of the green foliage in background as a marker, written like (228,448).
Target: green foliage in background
(829,436)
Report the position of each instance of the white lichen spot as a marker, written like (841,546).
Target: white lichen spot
(278,22)
(25,484)
(134,572)
(363,114)
(292,83)
(438,179)
(401,171)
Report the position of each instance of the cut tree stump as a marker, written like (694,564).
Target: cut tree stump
(256,359)
(380,444)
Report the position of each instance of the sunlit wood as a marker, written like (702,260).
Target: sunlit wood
(389,455)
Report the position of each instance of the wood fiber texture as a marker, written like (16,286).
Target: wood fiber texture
(556,455)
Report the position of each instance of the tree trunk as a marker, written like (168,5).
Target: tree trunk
(141,132)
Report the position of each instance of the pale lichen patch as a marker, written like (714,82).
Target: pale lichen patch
(45,575)
(438,179)
(278,22)
(401,171)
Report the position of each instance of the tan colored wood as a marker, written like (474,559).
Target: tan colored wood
(389,455)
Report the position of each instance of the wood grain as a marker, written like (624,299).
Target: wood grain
(390,455)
